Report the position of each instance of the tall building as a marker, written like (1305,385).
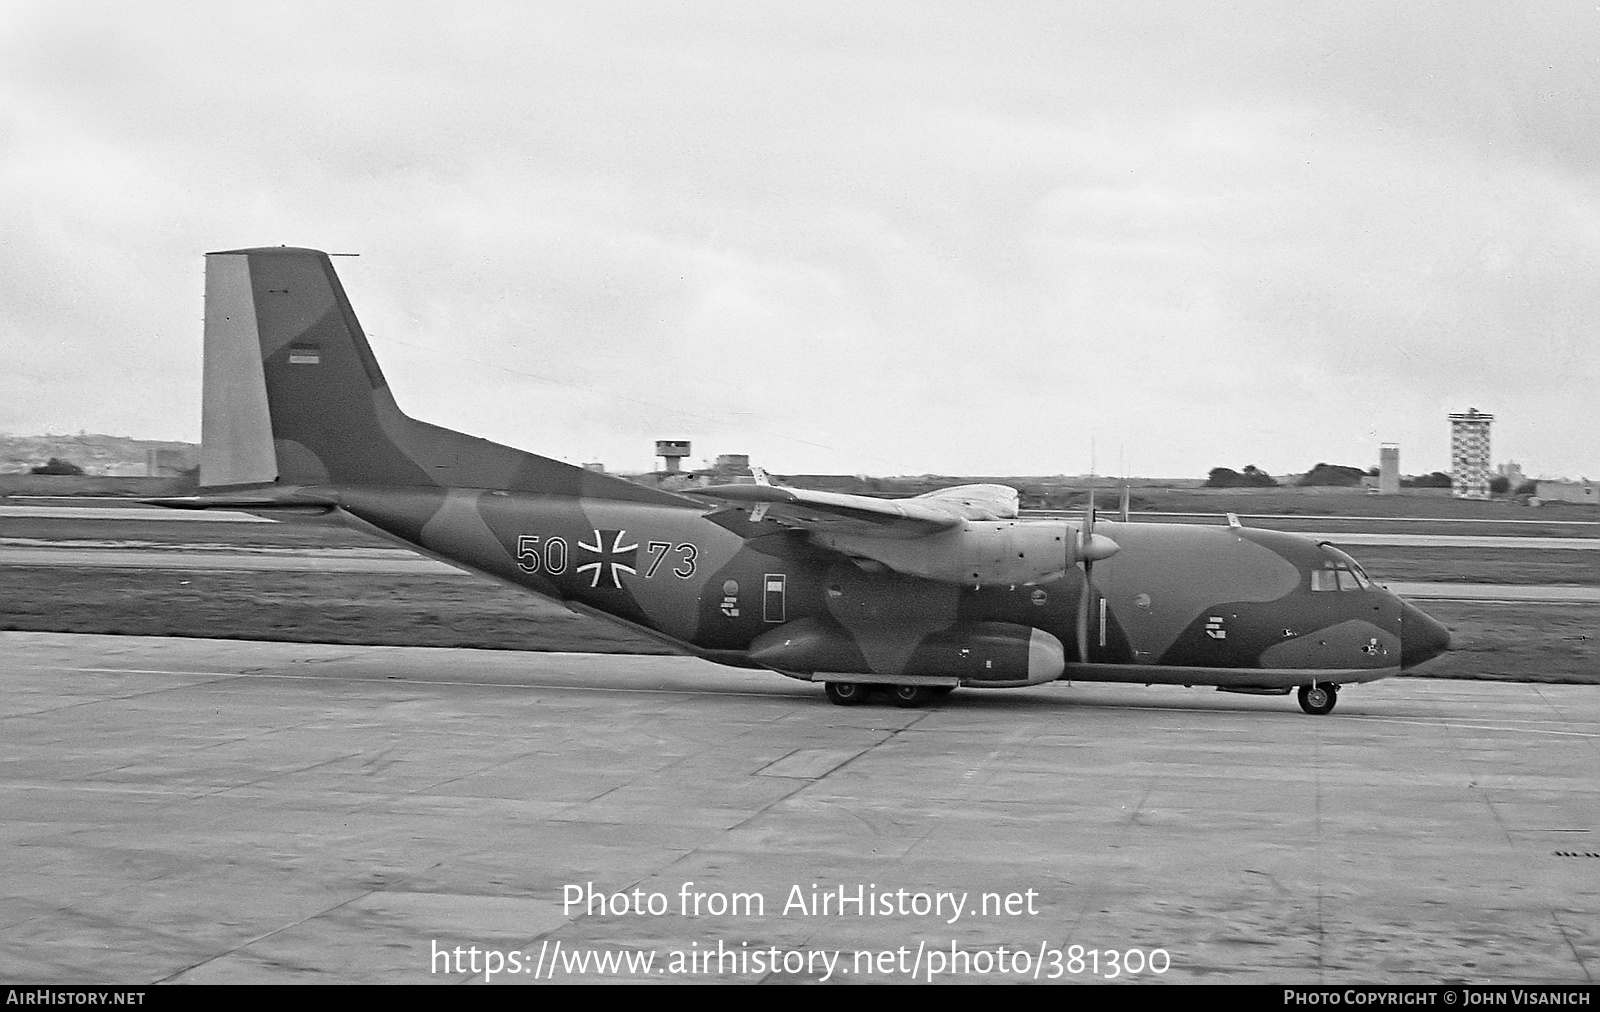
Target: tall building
(1389,469)
(1469,454)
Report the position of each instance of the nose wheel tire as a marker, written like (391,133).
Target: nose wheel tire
(846,693)
(911,695)
(1319,698)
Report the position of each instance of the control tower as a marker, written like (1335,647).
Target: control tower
(673,450)
(1469,454)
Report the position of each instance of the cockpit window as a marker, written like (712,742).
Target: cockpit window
(1336,576)
(1339,572)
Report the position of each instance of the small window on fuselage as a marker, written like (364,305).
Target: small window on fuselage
(1324,579)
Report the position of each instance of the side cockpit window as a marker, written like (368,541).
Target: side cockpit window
(1336,576)
(1338,572)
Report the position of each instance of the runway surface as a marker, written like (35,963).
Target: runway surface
(200,810)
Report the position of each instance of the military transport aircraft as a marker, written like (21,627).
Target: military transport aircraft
(913,596)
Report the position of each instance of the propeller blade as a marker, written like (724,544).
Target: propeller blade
(1091,548)
(1086,553)
(1083,615)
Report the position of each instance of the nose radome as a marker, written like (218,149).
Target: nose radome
(1422,638)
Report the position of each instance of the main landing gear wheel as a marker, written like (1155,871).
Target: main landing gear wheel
(1319,698)
(845,693)
(911,695)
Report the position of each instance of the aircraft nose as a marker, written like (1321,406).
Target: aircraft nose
(1422,638)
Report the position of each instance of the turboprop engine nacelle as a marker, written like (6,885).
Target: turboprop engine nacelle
(997,655)
(981,551)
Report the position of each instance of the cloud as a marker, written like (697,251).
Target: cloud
(838,238)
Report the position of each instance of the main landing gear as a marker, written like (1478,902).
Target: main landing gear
(846,693)
(856,693)
(1318,697)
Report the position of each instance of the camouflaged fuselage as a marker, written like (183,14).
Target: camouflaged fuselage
(1181,603)
(298,418)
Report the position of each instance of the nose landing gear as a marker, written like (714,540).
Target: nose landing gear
(1318,698)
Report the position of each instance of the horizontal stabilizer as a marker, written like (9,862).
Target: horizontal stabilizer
(291,506)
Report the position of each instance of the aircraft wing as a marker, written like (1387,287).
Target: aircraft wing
(976,502)
(746,508)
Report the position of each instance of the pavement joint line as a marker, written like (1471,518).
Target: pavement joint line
(276,774)
(1483,794)
(721,692)
(423,681)
(1472,727)
(890,736)
(1014,741)
(799,786)
(104,698)
(1539,691)
(140,671)
(1566,936)
(1316,810)
(104,787)
(436,787)
(294,924)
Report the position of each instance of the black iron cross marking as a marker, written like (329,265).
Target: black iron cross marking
(618,557)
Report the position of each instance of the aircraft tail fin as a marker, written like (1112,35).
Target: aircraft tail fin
(294,397)
(292,393)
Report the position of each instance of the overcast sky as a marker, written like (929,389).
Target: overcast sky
(870,238)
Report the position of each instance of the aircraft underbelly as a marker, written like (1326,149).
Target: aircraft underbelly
(1264,678)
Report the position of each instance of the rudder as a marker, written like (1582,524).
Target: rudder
(307,404)
(294,397)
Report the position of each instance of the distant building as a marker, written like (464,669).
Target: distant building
(596,466)
(166,461)
(1469,454)
(1389,469)
(1585,492)
(732,463)
(1511,471)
